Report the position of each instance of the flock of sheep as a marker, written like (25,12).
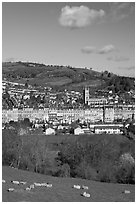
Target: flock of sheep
(48,185)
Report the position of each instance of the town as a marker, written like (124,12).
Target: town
(105,112)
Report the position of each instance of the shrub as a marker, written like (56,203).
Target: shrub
(125,174)
(65,171)
(85,171)
(106,171)
(10,147)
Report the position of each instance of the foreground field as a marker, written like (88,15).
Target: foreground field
(62,190)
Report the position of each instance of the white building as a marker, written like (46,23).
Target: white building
(78,131)
(107,130)
(50,131)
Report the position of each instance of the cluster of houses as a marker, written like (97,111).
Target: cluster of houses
(21,96)
(107,114)
(95,111)
(100,129)
(81,130)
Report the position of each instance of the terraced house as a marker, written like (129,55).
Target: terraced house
(106,114)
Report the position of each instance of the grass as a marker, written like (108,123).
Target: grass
(62,190)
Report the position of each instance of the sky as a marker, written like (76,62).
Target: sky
(97,35)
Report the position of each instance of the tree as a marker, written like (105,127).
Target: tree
(26,85)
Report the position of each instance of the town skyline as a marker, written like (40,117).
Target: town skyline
(68,33)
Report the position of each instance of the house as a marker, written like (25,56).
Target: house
(86,131)
(50,131)
(107,130)
(78,131)
(60,127)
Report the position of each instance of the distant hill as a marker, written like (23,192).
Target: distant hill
(59,77)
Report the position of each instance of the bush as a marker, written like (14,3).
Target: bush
(126,174)
(107,172)
(10,148)
(85,171)
(65,171)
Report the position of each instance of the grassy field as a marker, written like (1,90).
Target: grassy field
(62,190)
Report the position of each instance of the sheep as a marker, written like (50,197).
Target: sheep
(86,195)
(44,184)
(49,185)
(85,187)
(126,191)
(77,186)
(10,189)
(23,182)
(15,182)
(31,186)
(27,189)
(37,184)
(3,181)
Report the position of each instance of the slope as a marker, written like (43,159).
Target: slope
(62,190)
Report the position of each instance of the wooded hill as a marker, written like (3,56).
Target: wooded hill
(64,77)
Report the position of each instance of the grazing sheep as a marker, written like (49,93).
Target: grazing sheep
(49,185)
(37,184)
(23,182)
(15,182)
(3,181)
(126,191)
(27,189)
(77,186)
(85,187)
(10,189)
(44,184)
(86,195)
(31,186)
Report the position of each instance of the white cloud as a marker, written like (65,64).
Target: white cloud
(77,17)
(118,58)
(106,49)
(88,49)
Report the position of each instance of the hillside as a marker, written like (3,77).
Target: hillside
(62,189)
(63,77)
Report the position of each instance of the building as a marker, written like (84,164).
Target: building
(78,131)
(86,95)
(108,114)
(97,101)
(50,131)
(107,129)
(93,101)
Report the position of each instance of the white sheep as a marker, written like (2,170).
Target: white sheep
(77,186)
(49,185)
(15,182)
(27,189)
(10,189)
(86,195)
(3,181)
(85,187)
(37,184)
(31,186)
(23,182)
(126,191)
(44,184)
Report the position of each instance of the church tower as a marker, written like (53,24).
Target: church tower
(86,95)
